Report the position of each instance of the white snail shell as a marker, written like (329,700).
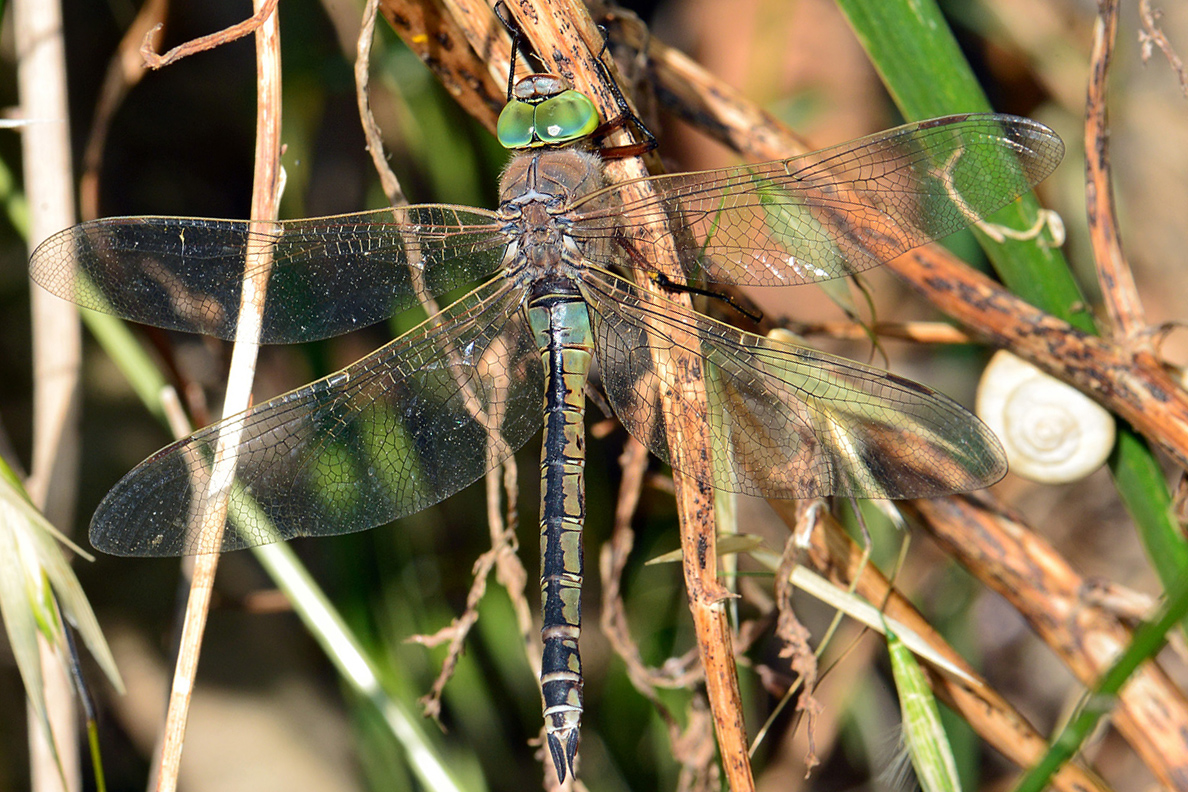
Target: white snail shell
(1052,432)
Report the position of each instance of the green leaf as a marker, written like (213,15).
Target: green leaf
(923,733)
(35,580)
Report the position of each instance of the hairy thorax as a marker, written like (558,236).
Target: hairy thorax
(536,193)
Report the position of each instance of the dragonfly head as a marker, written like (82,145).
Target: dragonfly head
(544,110)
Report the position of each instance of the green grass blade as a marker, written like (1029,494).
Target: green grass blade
(923,733)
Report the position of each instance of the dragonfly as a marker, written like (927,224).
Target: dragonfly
(432,411)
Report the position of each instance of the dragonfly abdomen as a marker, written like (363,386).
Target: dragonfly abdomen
(561,324)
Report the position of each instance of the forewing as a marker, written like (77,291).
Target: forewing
(401,429)
(826,214)
(785,421)
(328,274)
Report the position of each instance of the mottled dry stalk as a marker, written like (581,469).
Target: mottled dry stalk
(1151,713)
(438,40)
(239,384)
(1118,290)
(836,555)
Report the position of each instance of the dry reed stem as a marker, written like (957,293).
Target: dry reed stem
(612,561)
(1151,713)
(264,210)
(1118,290)
(917,332)
(237,31)
(693,744)
(834,554)
(125,70)
(57,352)
(375,143)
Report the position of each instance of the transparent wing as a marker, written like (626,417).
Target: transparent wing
(329,274)
(830,213)
(785,422)
(401,429)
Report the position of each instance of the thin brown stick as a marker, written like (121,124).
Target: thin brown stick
(1151,711)
(1118,289)
(918,332)
(612,562)
(57,352)
(797,649)
(264,210)
(834,554)
(375,143)
(148,50)
(509,569)
(692,745)
(1152,35)
(124,71)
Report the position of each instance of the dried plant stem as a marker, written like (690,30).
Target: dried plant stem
(837,556)
(126,69)
(1118,289)
(917,332)
(375,144)
(57,349)
(1152,713)
(264,209)
(437,38)
(1152,35)
(225,36)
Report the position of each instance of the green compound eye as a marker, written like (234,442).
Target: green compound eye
(515,127)
(565,117)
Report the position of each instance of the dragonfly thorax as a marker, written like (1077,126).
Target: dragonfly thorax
(537,191)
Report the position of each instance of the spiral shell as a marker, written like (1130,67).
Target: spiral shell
(1052,433)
